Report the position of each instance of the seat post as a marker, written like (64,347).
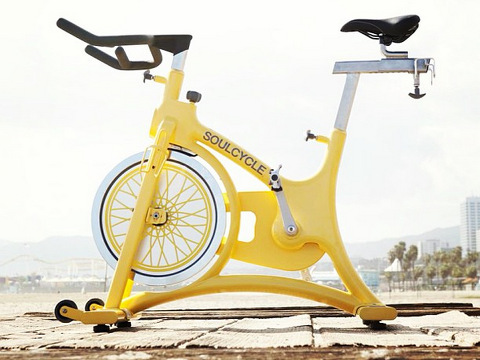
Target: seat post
(346,102)
(393,54)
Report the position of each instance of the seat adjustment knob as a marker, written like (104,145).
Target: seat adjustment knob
(416,94)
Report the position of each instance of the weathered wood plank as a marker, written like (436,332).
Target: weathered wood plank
(431,330)
(260,333)
(145,335)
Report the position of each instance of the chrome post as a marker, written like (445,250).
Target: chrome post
(178,62)
(346,103)
(393,54)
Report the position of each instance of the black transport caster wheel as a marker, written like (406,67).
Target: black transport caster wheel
(94,301)
(58,313)
(102,328)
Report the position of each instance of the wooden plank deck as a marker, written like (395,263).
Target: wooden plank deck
(302,332)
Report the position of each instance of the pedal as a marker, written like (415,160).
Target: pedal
(275,179)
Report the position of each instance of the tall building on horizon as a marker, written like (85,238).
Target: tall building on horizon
(470,224)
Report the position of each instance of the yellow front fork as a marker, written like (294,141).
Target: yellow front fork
(123,272)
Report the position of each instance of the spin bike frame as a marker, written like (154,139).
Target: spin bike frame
(296,221)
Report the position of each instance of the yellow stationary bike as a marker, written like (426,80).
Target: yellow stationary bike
(170,216)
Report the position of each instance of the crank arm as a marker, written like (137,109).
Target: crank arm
(291,229)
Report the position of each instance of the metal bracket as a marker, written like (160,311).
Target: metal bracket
(430,63)
(289,225)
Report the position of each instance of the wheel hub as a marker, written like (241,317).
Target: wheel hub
(157,216)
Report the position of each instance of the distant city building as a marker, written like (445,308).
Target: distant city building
(470,224)
(429,246)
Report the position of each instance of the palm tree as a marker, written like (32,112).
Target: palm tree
(430,272)
(410,257)
(445,271)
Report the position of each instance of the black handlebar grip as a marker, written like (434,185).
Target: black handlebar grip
(76,31)
(126,64)
(95,40)
(103,57)
(123,63)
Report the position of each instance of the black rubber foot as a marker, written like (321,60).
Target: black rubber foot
(101,328)
(124,324)
(375,325)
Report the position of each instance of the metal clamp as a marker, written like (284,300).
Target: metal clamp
(430,63)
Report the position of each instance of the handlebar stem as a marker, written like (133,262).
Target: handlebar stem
(178,62)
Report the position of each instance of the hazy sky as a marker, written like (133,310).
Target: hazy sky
(265,71)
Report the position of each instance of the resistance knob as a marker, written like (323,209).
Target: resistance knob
(194,96)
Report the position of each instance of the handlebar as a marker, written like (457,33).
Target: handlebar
(171,43)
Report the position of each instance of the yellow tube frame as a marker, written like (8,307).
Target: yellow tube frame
(312,203)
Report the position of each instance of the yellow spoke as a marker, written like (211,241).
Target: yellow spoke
(195,214)
(122,208)
(120,217)
(189,200)
(194,227)
(180,192)
(121,203)
(120,222)
(127,192)
(136,181)
(168,182)
(157,239)
(149,252)
(187,240)
(177,249)
(161,245)
(131,190)
(152,245)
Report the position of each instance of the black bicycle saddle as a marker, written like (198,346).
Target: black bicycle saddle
(396,29)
